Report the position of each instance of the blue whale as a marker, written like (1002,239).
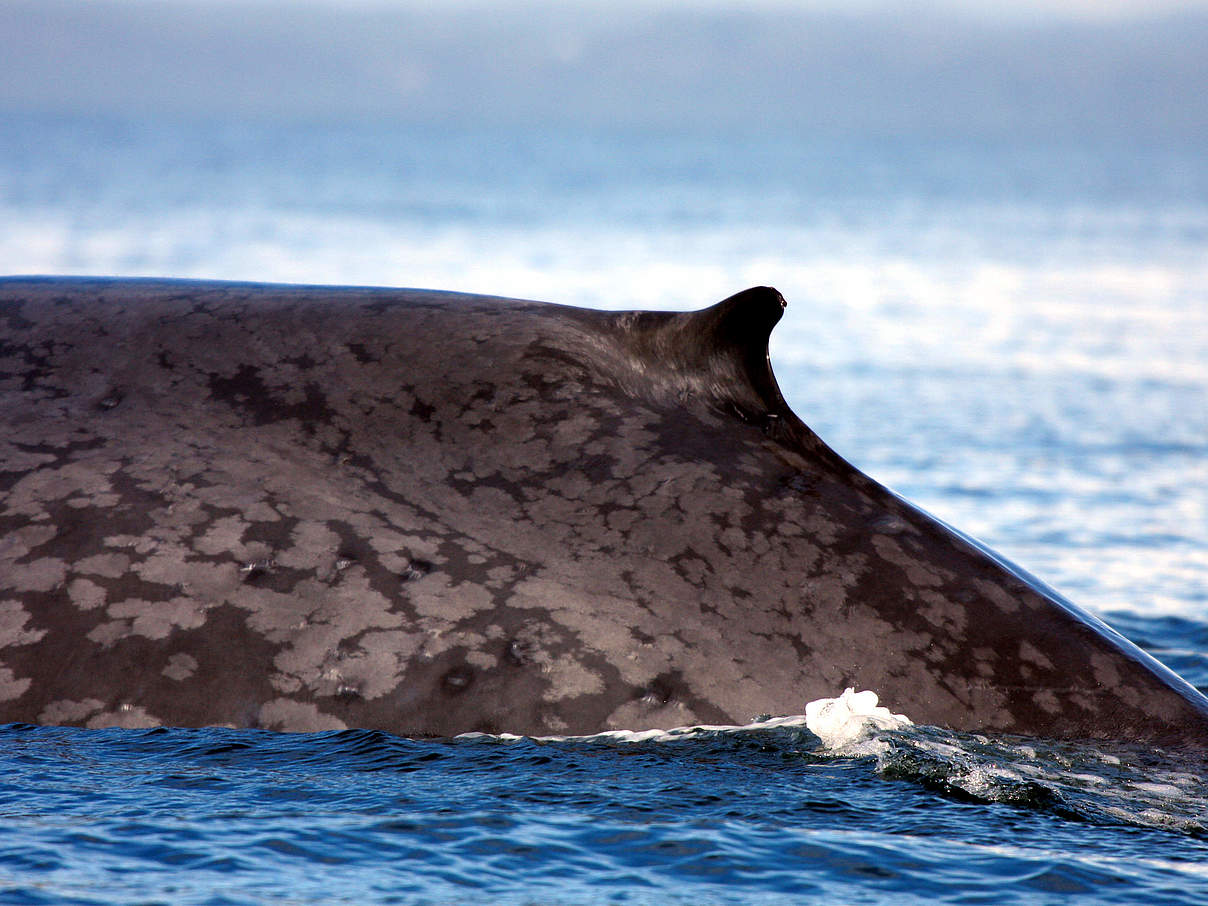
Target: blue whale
(307,508)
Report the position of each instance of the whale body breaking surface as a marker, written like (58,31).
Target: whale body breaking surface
(310,508)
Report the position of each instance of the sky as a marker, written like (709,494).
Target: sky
(1100,69)
(1085,10)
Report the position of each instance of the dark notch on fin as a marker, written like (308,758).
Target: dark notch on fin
(719,353)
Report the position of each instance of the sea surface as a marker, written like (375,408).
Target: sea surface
(1013,336)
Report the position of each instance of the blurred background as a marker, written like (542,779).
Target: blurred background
(990,220)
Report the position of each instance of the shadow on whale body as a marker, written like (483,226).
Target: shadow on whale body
(308,508)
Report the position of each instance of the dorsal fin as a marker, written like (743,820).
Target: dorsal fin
(720,352)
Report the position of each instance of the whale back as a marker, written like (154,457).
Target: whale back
(309,508)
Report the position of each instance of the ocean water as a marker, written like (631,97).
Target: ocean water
(1015,337)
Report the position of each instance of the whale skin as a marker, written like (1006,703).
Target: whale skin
(309,508)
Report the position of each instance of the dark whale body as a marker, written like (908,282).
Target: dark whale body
(308,508)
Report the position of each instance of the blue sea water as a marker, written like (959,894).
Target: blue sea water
(1013,336)
(224,816)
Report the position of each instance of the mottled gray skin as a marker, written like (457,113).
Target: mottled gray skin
(311,508)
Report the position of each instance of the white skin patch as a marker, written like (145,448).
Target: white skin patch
(67,711)
(12,687)
(180,667)
(85,594)
(297,717)
(13,625)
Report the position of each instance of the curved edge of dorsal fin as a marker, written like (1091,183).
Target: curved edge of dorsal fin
(719,353)
(739,329)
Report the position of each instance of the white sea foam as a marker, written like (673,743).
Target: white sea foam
(792,722)
(851,718)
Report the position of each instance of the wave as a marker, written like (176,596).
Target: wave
(1101,783)
(765,812)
